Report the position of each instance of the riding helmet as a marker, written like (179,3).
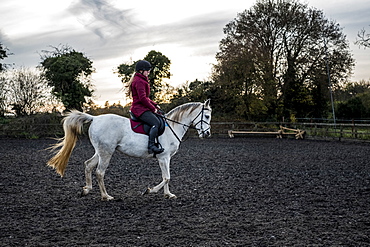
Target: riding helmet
(143,65)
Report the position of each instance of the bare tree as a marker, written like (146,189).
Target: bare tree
(363,39)
(3,94)
(27,91)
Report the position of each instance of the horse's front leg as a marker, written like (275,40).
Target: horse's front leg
(164,163)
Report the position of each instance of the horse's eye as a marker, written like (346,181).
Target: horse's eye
(207,116)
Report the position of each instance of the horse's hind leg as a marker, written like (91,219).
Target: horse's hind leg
(90,164)
(104,158)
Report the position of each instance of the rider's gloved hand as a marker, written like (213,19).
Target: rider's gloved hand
(159,111)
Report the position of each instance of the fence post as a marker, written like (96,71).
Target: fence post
(353,128)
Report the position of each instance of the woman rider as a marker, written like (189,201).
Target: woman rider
(143,107)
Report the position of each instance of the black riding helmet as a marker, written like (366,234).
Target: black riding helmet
(143,65)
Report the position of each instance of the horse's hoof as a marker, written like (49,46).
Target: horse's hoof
(147,191)
(170,196)
(108,198)
(85,191)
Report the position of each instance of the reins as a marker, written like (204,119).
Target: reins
(169,126)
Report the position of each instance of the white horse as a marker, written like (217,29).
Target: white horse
(110,132)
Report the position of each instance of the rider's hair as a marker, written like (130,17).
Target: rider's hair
(128,86)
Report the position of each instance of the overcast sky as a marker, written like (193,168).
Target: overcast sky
(111,32)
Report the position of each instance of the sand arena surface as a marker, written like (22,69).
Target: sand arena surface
(231,192)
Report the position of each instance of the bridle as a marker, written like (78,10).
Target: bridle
(191,126)
(201,121)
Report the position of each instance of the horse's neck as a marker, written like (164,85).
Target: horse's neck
(180,129)
(183,124)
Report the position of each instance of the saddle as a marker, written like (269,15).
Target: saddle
(141,127)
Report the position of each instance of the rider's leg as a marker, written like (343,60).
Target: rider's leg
(151,119)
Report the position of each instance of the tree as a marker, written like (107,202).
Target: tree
(272,59)
(3,94)
(28,91)
(363,39)
(68,73)
(24,91)
(3,54)
(353,100)
(160,70)
(354,108)
(352,89)
(235,84)
(196,91)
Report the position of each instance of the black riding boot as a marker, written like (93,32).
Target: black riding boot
(152,148)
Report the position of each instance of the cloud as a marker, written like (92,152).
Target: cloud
(200,33)
(121,33)
(101,17)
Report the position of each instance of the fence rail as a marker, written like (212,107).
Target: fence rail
(358,131)
(315,130)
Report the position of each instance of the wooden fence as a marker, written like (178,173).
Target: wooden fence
(341,131)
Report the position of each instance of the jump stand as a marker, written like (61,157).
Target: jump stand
(299,134)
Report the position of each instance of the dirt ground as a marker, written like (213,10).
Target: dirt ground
(231,192)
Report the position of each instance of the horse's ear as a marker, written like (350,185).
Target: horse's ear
(207,103)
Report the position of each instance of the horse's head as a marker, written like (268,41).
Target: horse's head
(202,122)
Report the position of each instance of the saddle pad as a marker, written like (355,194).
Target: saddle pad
(137,127)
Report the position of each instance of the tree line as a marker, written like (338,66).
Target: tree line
(280,59)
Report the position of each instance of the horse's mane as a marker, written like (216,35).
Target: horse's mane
(177,113)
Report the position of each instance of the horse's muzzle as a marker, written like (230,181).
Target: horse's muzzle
(205,134)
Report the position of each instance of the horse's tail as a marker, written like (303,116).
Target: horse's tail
(72,125)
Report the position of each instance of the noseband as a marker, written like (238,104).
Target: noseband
(192,126)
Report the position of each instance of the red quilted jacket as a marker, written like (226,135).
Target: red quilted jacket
(140,95)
